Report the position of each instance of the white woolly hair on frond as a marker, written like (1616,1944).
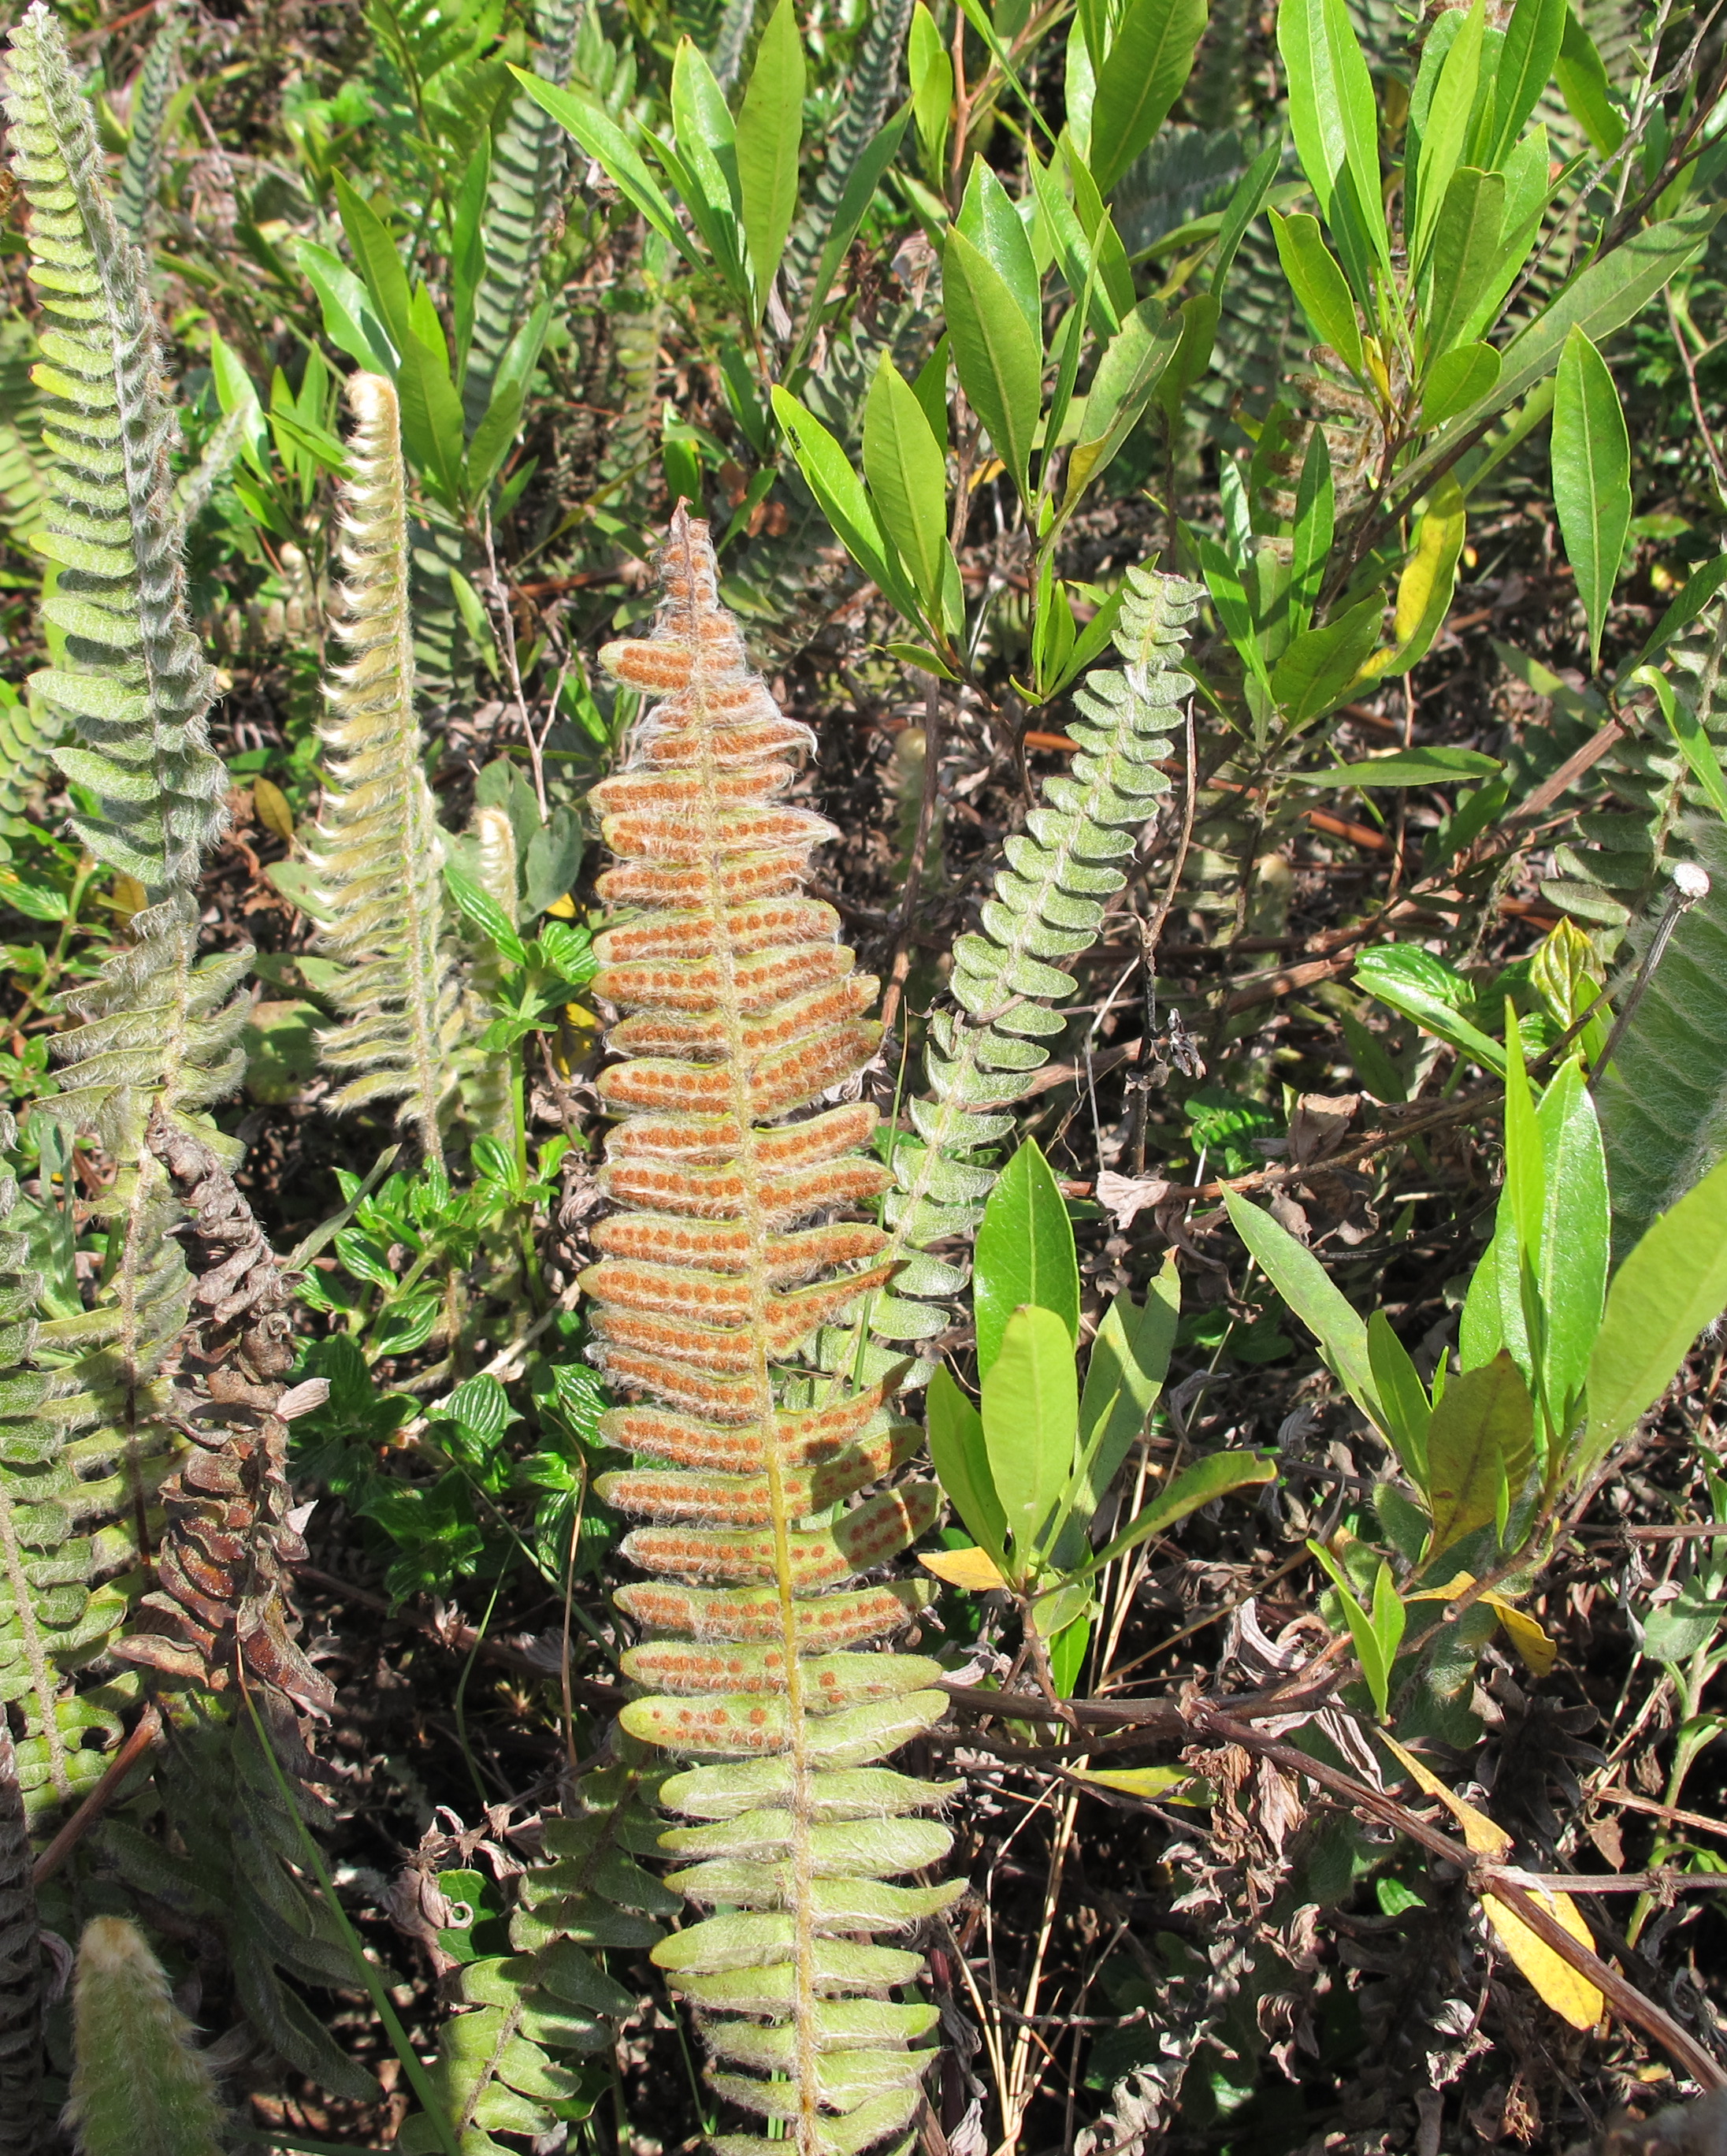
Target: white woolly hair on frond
(377,852)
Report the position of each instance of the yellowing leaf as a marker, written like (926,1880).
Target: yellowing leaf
(1479,1831)
(1143,1781)
(1537,1652)
(562,909)
(974,1570)
(269,804)
(1566,1989)
(1459,1584)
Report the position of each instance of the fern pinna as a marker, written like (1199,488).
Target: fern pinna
(728,1248)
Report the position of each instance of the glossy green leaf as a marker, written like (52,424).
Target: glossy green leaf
(1576,1236)
(1200,1483)
(1402,1395)
(1067,1655)
(1031,1412)
(1316,521)
(1229,595)
(1124,1377)
(1397,974)
(467,255)
(999,358)
(1334,116)
(1458,379)
(1410,766)
(1377,1630)
(1316,672)
(610,149)
(1468,244)
(1320,287)
(1024,1253)
(432,424)
(1445,129)
(1526,62)
(770,130)
(376,258)
(1304,1285)
(907,472)
(1126,378)
(1669,1287)
(1143,73)
(931,75)
(853,206)
(1591,477)
(960,1459)
(827,472)
(352,320)
(990,220)
(1479,1449)
(1243,206)
(1584,85)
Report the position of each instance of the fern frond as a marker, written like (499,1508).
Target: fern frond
(23,461)
(1610,867)
(744,1011)
(1048,907)
(868,91)
(735,24)
(489,1074)
(22,1994)
(501,2058)
(139,2081)
(377,852)
(135,680)
(1663,1100)
(530,159)
(140,173)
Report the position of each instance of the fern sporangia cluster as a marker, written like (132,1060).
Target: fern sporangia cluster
(1048,907)
(728,1247)
(224,1591)
(377,852)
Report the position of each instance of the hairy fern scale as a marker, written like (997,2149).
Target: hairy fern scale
(726,1251)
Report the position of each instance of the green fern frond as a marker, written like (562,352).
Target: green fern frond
(135,679)
(141,2087)
(1663,1100)
(735,24)
(1048,907)
(526,2020)
(1613,862)
(868,91)
(377,852)
(21,1990)
(530,159)
(140,173)
(488,1075)
(23,460)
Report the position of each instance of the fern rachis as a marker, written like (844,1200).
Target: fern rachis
(743,1011)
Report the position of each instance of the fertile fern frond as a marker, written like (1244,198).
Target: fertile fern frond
(1610,868)
(135,680)
(377,852)
(520,2015)
(139,2081)
(1663,1100)
(868,92)
(529,161)
(140,173)
(744,1012)
(1048,907)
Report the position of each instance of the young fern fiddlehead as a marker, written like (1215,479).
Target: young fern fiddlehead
(1048,907)
(744,1011)
(377,852)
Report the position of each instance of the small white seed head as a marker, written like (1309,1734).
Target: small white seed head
(1691,882)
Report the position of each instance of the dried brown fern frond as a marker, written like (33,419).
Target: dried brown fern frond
(224,1595)
(730,1248)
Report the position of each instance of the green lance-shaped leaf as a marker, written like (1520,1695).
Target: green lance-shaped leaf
(1143,73)
(1320,285)
(1445,130)
(1480,1449)
(1025,1253)
(1466,249)
(1031,1415)
(770,130)
(1334,117)
(1525,67)
(140,2085)
(960,1457)
(907,472)
(1304,1285)
(999,356)
(1670,1287)
(1591,477)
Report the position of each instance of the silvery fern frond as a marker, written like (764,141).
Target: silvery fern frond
(377,852)
(1048,907)
(135,678)
(140,173)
